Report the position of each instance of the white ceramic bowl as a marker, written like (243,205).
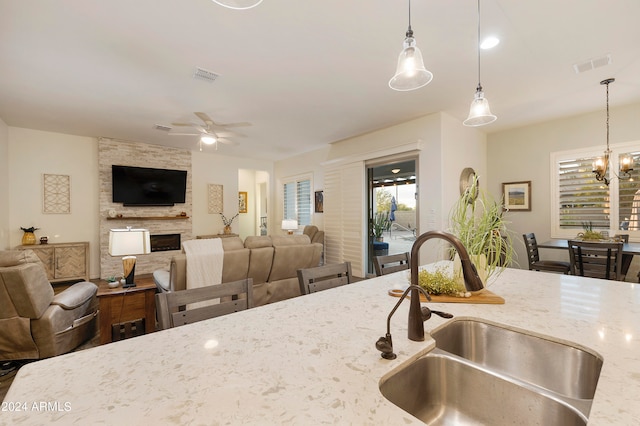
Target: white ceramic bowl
(114,284)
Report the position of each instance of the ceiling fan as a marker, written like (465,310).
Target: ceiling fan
(210,132)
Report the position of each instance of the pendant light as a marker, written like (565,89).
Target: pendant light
(410,72)
(479,113)
(238,4)
(601,165)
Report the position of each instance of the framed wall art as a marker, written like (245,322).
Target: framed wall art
(517,195)
(319,202)
(214,198)
(242,202)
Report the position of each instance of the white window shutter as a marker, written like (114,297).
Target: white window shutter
(344,216)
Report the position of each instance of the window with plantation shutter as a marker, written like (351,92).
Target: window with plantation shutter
(297,200)
(580,201)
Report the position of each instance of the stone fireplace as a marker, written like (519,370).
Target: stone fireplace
(168,226)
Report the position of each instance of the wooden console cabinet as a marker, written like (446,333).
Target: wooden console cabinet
(63,261)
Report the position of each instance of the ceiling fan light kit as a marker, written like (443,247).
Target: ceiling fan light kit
(410,73)
(210,132)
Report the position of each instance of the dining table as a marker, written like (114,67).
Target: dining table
(556,243)
(628,251)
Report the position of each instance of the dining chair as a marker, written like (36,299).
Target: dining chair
(596,259)
(185,306)
(390,263)
(626,258)
(533,256)
(324,277)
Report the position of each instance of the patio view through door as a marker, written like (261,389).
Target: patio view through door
(392,212)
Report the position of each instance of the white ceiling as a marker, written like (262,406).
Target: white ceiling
(304,72)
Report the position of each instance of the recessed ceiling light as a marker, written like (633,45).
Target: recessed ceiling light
(394,171)
(489,42)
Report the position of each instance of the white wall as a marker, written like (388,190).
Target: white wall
(4,186)
(30,153)
(444,147)
(33,153)
(310,162)
(522,154)
(235,174)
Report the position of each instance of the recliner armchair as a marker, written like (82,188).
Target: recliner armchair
(35,323)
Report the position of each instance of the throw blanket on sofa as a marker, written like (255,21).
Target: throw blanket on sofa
(204,262)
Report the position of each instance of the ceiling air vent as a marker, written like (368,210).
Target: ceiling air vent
(591,64)
(161,127)
(202,74)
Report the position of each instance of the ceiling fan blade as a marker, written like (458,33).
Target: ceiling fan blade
(186,124)
(225,125)
(182,134)
(227,141)
(203,116)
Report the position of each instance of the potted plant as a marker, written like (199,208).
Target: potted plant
(478,221)
(589,234)
(380,224)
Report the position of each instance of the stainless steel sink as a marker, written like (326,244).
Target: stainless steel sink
(564,368)
(485,373)
(441,390)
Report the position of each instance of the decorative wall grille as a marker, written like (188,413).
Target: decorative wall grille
(215,198)
(56,194)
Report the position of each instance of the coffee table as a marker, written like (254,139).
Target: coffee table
(120,305)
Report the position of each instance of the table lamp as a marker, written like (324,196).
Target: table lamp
(129,242)
(289,225)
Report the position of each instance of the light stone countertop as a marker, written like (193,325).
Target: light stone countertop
(313,360)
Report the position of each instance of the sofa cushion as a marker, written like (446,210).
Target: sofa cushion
(255,241)
(29,289)
(290,240)
(75,295)
(17,257)
(287,259)
(232,243)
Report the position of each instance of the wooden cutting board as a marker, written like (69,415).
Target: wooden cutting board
(481,296)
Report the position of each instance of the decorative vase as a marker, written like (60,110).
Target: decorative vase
(479,261)
(28,238)
(227,229)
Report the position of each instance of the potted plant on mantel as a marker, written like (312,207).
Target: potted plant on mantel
(478,221)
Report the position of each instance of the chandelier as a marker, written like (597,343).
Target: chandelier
(601,164)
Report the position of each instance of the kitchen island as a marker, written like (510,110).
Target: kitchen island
(312,359)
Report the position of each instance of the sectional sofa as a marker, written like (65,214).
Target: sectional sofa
(272,262)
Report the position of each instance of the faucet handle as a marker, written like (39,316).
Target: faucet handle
(385,346)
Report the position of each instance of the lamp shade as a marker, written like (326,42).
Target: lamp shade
(410,72)
(479,112)
(289,224)
(123,242)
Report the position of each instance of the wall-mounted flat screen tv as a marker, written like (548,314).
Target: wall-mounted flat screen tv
(143,186)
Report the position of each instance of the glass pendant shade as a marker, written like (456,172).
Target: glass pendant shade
(410,72)
(479,113)
(238,4)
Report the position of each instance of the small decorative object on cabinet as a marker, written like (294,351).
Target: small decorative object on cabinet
(29,237)
(63,261)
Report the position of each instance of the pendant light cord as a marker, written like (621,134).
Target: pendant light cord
(409,30)
(607,116)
